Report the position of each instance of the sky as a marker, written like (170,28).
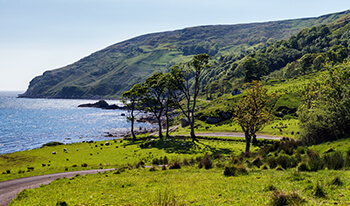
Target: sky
(41,35)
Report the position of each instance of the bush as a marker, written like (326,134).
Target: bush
(206,162)
(334,161)
(279,198)
(61,203)
(175,165)
(315,161)
(84,165)
(303,166)
(336,181)
(235,170)
(318,191)
(257,161)
(152,169)
(347,160)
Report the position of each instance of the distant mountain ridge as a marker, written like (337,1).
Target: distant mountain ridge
(111,71)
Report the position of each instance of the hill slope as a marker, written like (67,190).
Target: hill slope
(113,70)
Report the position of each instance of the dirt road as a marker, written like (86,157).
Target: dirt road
(9,189)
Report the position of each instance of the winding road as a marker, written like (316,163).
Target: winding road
(9,189)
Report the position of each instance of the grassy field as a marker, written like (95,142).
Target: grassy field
(132,184)
(81,156)
(191,186)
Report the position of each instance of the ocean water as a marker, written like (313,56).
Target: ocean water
(29,123)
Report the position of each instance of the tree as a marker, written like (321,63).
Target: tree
(131,99)
(325,114)
(253,111)
(155,97)
(186,80)
(254,70)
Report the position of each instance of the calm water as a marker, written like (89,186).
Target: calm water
(30,123)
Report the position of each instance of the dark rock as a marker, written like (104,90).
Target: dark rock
(184,123)
(213,120)
(102,104)
(99,104)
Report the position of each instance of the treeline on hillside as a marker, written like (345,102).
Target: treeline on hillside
(301,54)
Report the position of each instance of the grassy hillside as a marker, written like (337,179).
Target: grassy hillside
(113,70)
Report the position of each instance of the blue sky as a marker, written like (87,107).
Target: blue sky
(40,35)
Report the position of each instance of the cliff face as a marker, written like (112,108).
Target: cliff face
(109,72)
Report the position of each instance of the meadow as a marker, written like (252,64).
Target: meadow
(187,184)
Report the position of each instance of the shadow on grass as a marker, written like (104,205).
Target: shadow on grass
(179,145)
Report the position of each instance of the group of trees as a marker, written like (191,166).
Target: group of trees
(325,113)
(161,92)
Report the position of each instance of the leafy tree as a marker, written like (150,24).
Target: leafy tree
(254,70)
(132,98)
(253,111)
(186,80)
(155,97)
(325,113)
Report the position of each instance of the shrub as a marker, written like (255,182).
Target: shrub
(61,203)
(315,161)
(140,164)
(334,161)
(279,198)
(347,160)
(264,167)
(8,171)
(270,187)
(257,161)
(318,191)
(84,165)
(206,162)
(279,168)
(175,165)
(164,198)
(336,181)
(165,160)
(271,161)
(303,166)
(186,162)
(152,169)
(235,170)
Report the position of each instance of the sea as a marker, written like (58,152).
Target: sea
(27,123)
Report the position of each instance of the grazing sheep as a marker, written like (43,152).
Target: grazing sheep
(53,152)
(107,143)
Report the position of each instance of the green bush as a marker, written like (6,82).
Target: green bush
(279,198)
(334,161)
(336,181)
(318,191)
(315,161)
(175,165)
(235,170)
(206,162)
(303,166)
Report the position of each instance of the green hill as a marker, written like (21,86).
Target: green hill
(113,70)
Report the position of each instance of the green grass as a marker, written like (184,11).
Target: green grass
(115,155)
(188,186)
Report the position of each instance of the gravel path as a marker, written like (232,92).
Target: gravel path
(9,189)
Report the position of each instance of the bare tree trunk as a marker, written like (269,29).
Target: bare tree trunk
(132,126)
(160,128)
(167,122)
(247,141)
(254,141)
